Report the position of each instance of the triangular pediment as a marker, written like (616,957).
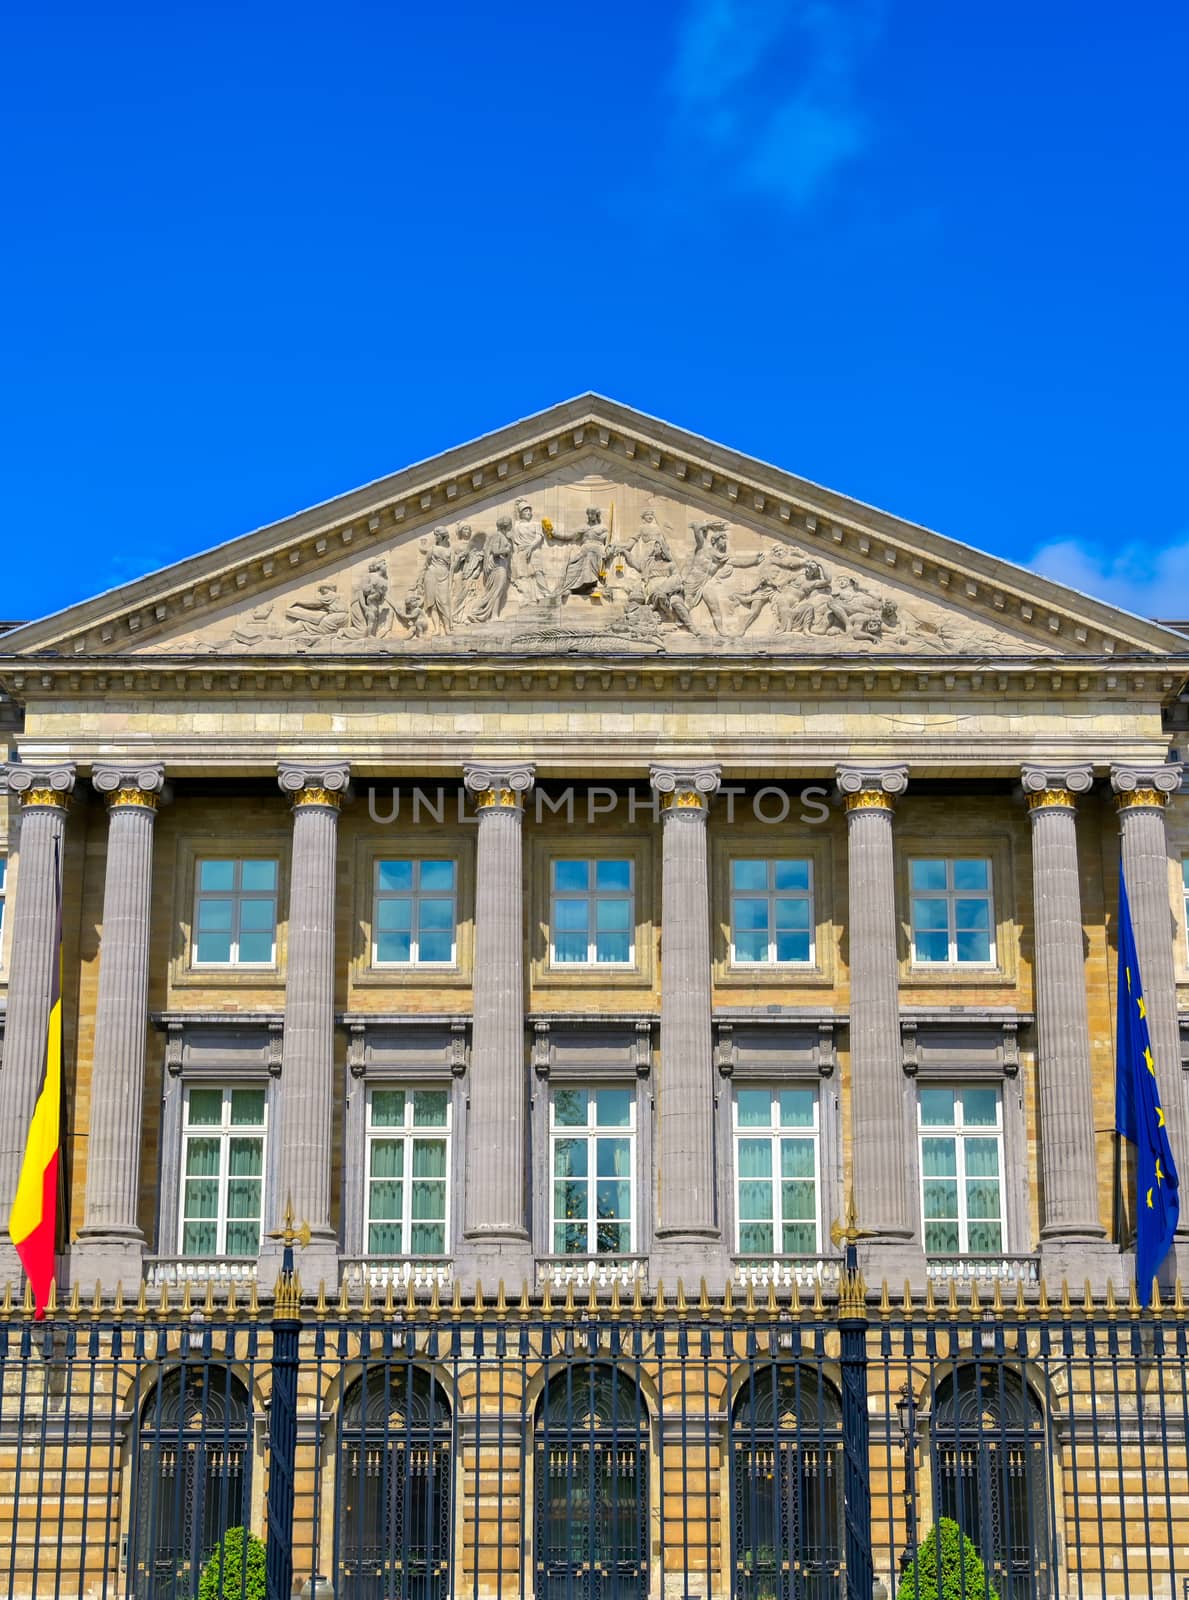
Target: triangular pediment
(592,529)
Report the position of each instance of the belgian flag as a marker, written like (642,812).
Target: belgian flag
(33,1220)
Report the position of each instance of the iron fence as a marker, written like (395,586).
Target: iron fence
(595,1450)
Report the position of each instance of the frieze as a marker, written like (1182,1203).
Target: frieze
(595,566)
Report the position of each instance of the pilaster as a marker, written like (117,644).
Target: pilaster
(1141,798)
(496,1238)
(43,794)
(688,1234)
(879,1095)
(1073,1239)
(306,1097)
(110,1246)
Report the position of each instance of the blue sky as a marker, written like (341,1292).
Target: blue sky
(930,254)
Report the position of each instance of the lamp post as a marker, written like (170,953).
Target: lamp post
(906,1415)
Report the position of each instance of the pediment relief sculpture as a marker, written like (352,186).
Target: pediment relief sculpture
(597,566)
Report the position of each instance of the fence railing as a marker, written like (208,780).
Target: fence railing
(608,1447)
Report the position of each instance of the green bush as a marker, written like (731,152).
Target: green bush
(961,1576)
(234,1570)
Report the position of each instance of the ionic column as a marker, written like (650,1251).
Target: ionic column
(111,1245)
(1068,1159)
(688,1215)
(496,1204)
(43,794)
(306,1099)
(877,1095)
(1141,796)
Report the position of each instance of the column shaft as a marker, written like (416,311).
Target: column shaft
(1068,1156)
(687,1200)
(1141,799)
(306,1100)
(111,1242)
(496,1206)
(876,1074)
(44,796)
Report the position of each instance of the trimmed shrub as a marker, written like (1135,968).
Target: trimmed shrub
(948,1567)
(234,1570)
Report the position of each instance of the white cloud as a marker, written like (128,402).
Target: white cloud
(1150,582)
(769,89)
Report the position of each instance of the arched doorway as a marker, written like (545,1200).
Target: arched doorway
(192,1462)
(786,1486)
(393,1486)
(591,1464)
(989,1474)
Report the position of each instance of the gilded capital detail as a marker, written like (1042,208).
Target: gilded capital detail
(314,785)
(39,786)
(498,788)
(871,788)
(134,785)
(1056,788)
(685,790)
(1145,788)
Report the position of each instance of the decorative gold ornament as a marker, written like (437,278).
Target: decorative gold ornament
(488,799)
(314,795)
(870,800)
(57,799)
(148,799)
(1041,799)
(683,800)
(1131,799)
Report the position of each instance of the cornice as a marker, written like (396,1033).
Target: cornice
(726,482)
(146,678)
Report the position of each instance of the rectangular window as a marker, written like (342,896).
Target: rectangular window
(3,901)
(415,918)
(961,1132)
(951,912)
(592,1139)
(777,1181)
(1184,880)
(771,913)
(222,1171)
(235,913)
(408,1172)
(592,913)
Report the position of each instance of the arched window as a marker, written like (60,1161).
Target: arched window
(191,1464)
(591,1486)
(393,1486)
(786,1482)
(989,1473)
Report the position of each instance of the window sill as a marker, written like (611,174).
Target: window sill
(228,978)
(786,977)
(410,978)
(577,977)
(956,977)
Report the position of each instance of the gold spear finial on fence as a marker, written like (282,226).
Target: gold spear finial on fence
(852,1233)
(286,1299)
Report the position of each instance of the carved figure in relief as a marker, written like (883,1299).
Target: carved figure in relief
(679,594)
(859,613)
(586,567)
(785,575)
(325,614)
(528,539)
(494,572)
(254,629)
(433,587)
(372,613)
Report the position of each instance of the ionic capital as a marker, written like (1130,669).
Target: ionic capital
(1145,788)
(1056,788)
(310,785)
(45,787)
(498,788)
(138,785)
(685,790)
(871,788)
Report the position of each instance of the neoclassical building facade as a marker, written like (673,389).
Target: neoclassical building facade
(590,858)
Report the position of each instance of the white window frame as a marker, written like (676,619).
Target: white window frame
(772,894)
(774,1133)
(592,896)
(406,1134)
(959,1132)
(225,1132)
(592,1132)
(949,896)
(3,900)
(415,896)
(1185,901)
(238,896)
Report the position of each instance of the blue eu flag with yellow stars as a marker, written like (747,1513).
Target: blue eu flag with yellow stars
(1139,1116)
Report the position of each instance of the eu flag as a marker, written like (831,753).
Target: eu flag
(1139,1116)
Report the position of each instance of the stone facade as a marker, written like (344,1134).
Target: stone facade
(589,639)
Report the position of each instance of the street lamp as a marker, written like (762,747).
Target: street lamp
(906,1415)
